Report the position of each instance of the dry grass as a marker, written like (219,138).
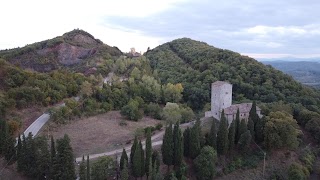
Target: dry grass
(98,134)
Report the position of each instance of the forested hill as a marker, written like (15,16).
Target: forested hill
(196,65)
(76,50)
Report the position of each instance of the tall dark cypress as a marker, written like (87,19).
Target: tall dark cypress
(143,168)
(250,126)
(237,124)
(231,135)
(2,134)
(259,128)
(253,113)
(212,138)
(52,156)
(222,135)
(243,127)
(148,153)
(136,162)
(167,147)
(177,145)
(88,168)
(186,142)
(123,159)
(194,145)
(19,154)
(82,170)
(133,148)
(64,160)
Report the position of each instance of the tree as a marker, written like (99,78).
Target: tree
(250,126)
(143,169)
(86,89)
(231,135)
(123,159)
(64,160)
(82,170)
(88,168)
(101,168)
(172,93)
(19,154)
(52,156)
(259,128)
(205,163)
(237,124)
(131,110)
(167,146)
(222,135)
(244,141)
(253,113)
(148,152)
(212,137)
(281,130)
(177,145)
(133,148)
(243,127)
(171,112)
(124,172)
(194,142)
(297,172)
(137,164)
(186,142)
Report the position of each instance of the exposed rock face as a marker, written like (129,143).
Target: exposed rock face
(68,50)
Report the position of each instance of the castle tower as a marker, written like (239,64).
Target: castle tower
(221,97)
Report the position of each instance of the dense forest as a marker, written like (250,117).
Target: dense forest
(196,65)
(169,83)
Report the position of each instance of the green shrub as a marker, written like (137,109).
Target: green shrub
(153,110)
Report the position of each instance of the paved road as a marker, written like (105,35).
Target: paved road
(35,127)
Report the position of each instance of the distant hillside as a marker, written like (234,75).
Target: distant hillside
(306,72)
(197,65)
(76,50)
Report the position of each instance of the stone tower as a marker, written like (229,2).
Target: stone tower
(221,97)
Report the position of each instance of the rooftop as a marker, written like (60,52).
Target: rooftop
(243,108)
(220,83)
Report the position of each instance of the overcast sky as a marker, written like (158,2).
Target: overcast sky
(258,28)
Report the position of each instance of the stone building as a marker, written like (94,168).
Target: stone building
(221,99)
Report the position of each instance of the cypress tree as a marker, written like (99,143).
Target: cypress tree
(82,170)
(124,174)
(194,145)
(19,154)
(143,169)
(30,156)
(253,113)
(9,144)
(178,145)
(2,135)
(52,156)
(186,142)
(133,148)
(136,162)
(88,168)
(244,141)
(24,161)
(243,127)
(167,147)
(259,130)
(212,138)
(237,124)
(222,135)
(156,160)
(148,152)
(123,159)
(64,160)
(231,135)
(250,127)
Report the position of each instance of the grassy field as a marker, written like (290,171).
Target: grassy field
(98,134)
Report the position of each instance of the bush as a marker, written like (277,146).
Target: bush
(131,110)
(153,110)
(123,123)
(297,172)
(158,126)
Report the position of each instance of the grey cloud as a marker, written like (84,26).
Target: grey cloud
(224,24)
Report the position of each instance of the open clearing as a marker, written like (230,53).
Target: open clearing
(99,133)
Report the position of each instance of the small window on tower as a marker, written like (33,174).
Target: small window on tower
(226,92)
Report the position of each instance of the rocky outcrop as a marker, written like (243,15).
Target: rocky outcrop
(72,48)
